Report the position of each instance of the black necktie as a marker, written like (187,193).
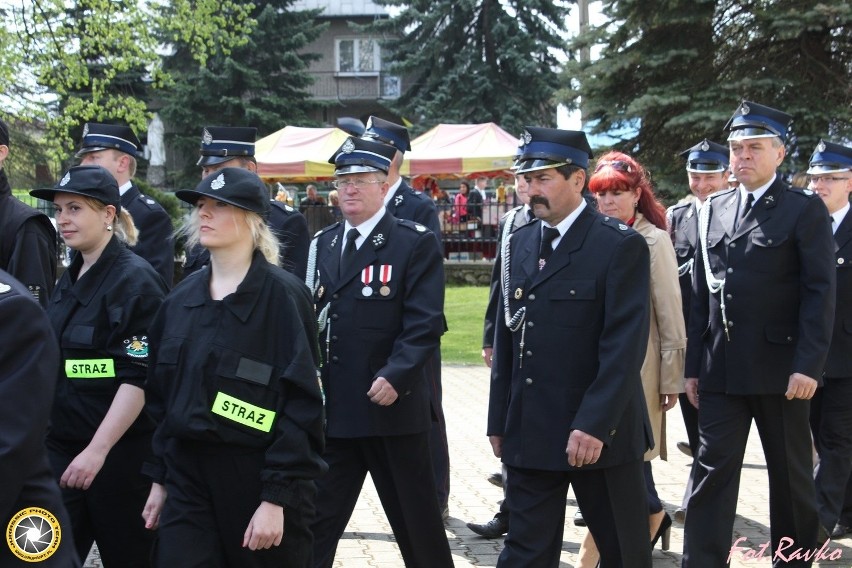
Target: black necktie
(349,250)
(530,216)
(547,236)
(746,208)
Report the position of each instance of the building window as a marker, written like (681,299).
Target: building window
(358,56)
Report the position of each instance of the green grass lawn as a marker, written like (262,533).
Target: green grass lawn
(464,307)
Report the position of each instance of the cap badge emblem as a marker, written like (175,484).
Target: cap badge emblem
(218,183)
(744,109)
(206,137)
(369,123)
(705,146)
(65,179)
(526,137)
(86,130)
(821,146)
(348,146)
(378,239)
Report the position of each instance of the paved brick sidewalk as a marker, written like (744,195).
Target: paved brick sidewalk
(368,541)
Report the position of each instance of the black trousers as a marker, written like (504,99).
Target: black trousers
(109,512)
(213,492)
(724,422)
(438,444)
(614,504)
(401,470)
(831,424)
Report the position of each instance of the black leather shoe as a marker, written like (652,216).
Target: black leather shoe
(840,531)
(579,521)
(495,528)
(496,479)
(684,448)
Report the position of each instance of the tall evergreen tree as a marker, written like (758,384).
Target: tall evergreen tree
(471,61)
(671,72)
(262,83)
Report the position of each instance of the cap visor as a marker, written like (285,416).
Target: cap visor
(524,166)
(192,196)
(705,168)
(745,133)
(210,160)
(356,169)
(90,149)
(827,169)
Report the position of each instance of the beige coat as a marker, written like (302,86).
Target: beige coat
(662,371)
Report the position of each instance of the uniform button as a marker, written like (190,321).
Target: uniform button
(334,338)
(334,359)
(530,324)
(335,296)
(532,296)
(612,433)
(769,241)
(733,245)
(789,339)
(529,353)
(840,260)
(728,296)
(529,381)
(730,324)
(572,292)
(730,271)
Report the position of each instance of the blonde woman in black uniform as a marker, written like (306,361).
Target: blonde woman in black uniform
(233,387)
(100,311)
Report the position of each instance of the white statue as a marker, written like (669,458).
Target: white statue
(156,146)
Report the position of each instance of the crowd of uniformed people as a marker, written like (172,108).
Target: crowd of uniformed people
(231,420)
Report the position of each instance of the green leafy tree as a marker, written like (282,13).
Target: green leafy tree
(262,83)
(472,61)
(671,72)
(70,62)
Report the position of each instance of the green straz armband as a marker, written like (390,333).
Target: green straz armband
(243,413)
(90,368)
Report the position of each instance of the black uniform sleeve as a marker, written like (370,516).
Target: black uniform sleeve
(295,241)
(294,456)
(33,260)
(491,315)
(156,244)
(29,362)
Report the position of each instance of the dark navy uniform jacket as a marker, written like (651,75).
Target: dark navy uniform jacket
(239,372)
(584,338)
(289,227)
(375,334)
(156,243)
(409,204)
(839,363)
(27,244)
(683,228)
(101,321)
(28,362)
(779,293)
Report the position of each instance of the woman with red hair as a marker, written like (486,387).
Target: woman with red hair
(623,190)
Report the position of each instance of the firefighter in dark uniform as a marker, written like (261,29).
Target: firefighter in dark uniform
(566,404)
(27,238)
(378,284)
(233,387)
(707,172)
(831,408)
(403,202)
(759,330)
(100,312)
(30,497)
(116,148)
(233,147)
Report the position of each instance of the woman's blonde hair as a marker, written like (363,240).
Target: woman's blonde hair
(261,236)
(122,225)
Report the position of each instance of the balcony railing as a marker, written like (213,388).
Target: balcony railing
(371,86)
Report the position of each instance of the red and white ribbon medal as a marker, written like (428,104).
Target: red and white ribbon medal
(366,279)
(385,276)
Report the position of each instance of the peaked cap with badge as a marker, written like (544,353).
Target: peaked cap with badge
(752,120)
(387,132)
(706,157)
(88,181)
(359,155)
(544,148)
(236,186)
(830,158)
(97,137)
(222,143)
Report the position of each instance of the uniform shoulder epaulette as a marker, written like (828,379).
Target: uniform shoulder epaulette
(282,206)
(414,226)
(616,224)
(808,193)
(678,206)
(510,211)
(149,202)
(719,194)
(326,229)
